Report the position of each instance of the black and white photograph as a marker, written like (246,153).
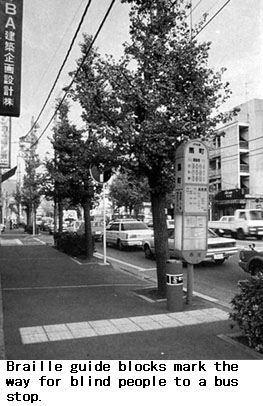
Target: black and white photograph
(131,200)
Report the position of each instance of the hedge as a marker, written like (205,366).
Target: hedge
(71,244)
(248,311)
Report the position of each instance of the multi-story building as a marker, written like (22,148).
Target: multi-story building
(236,162)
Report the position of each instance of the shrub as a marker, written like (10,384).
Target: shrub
(71,244)
(248,311)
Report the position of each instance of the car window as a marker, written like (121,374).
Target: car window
(256,215)
(134,226)
(114,227)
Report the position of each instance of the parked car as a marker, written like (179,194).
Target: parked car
(2,227)
(218,248)
(251,260)
(169,224)
(127,233)
(96,229)
(45,223)
(52,227)
(74,226)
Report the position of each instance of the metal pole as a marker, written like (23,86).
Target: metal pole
(190,283)
(34,223)
(104,226)
(1,212)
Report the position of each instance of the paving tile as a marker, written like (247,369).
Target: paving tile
(57,332)
(79,326)
(106,330)
(32,330)
(218,313)
(82,333)
(170,323)
(33,338)
(99,323)
(55,328)
(121,322)
(139,319)
(149,325)
(59,335)
(186,319)
(160,317)
(126,328)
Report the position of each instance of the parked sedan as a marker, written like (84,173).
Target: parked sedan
(218,250)
(74,226)
(127,233)
(96,229)
(251,260)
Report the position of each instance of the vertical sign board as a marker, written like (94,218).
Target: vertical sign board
(11,13)
(5,143)
(191,201)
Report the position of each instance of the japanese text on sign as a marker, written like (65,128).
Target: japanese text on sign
(10,56)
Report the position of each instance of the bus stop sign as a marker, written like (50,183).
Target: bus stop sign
(191,201)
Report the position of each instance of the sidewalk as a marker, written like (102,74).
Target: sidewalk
(56,308)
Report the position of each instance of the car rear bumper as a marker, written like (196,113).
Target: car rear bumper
(221,254)
(132,243)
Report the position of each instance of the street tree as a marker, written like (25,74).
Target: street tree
(69,171)
(163,93)
(29,194)
(127,190)
(160,94)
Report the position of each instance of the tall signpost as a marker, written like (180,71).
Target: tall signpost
(11,15)
(102,175)
(191,206)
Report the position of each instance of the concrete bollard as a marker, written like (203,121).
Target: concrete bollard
(174,285)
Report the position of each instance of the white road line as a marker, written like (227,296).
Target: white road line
(202,296)
(124,263)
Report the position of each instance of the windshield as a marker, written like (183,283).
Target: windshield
(256,215)
(134,226)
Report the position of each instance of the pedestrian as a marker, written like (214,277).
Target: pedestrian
(10,224)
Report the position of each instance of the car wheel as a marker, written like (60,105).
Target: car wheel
(219,261)
(120,245)
(240,234)
(147,251)
(256,268)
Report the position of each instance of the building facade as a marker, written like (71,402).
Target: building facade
(236,162)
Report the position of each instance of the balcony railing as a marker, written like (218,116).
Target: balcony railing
(243,144)
(214,173)
(244,168)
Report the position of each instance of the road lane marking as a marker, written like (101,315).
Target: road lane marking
(95,328)
(124,263)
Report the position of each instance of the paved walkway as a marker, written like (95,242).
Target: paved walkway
(55,308)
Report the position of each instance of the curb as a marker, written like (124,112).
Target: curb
(230,339)
(2,341)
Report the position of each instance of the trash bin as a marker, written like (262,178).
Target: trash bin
(174,285)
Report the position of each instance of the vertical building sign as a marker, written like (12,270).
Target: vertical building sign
(4,143)
(11,13)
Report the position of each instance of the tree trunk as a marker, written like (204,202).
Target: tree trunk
(88,233)
(160,239)
(60,217)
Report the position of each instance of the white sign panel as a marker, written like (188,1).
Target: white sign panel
(4,143)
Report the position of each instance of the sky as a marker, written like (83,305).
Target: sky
(49,26)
